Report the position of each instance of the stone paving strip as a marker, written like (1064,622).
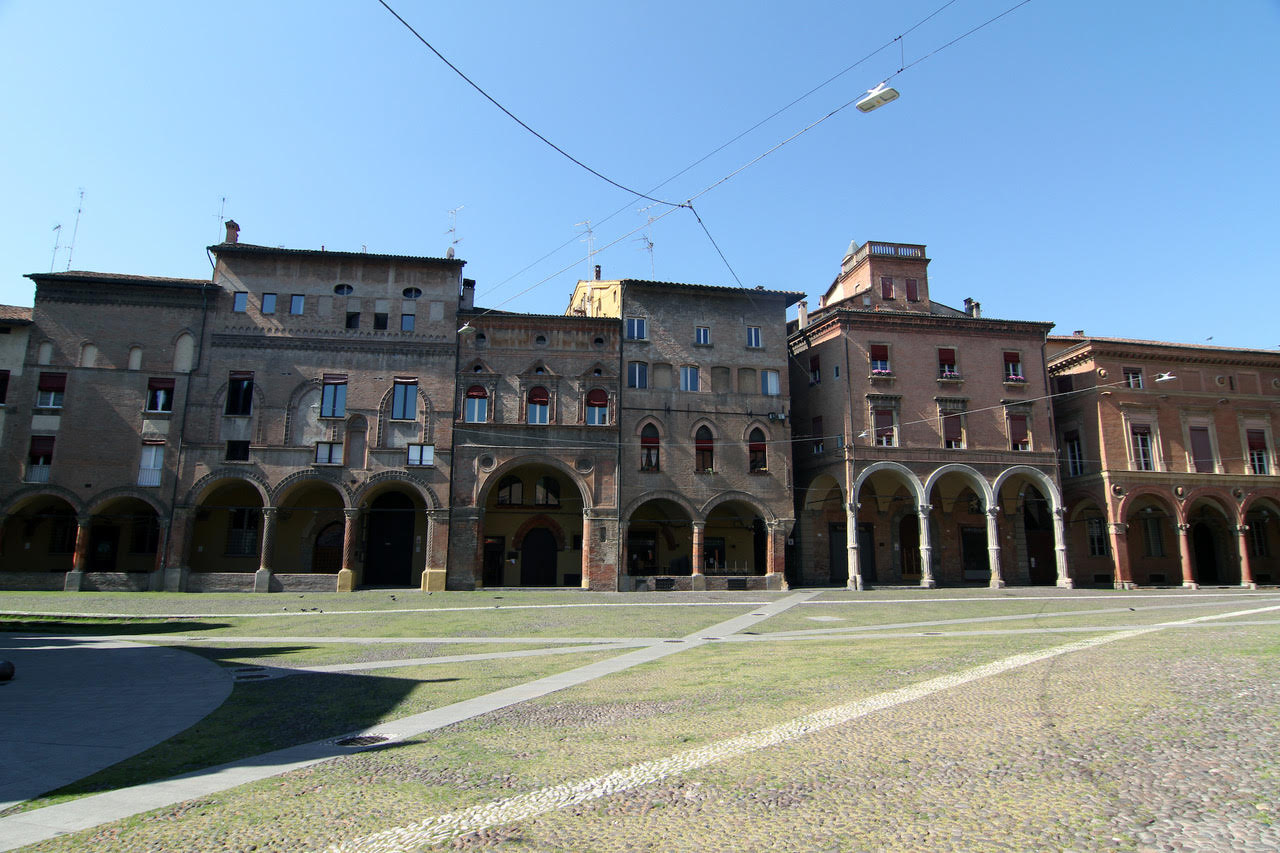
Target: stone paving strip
(440,829)
(39,824)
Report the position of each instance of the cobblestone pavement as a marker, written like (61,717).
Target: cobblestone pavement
(1160,740)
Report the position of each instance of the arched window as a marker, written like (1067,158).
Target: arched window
(539,405)
(597,407)
(88,355)
(546,492)
(758,460)
(704,460)
(477,406)
(135,358)
(649,448)
(510,491)
(184,351)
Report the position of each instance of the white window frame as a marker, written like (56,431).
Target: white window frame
(597,415)
(420,455)
(329,400)
(753,338)
(637,329)
(1132,377)
(326,451)
(409,400)
(150,464)
(538,414)
(1075,455)
(1148,418)
(638,374)
(702,336)
(689,378)
(1256,462)
(476,410)
(770,383)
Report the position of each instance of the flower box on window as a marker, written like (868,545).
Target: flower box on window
(950,375)
(1015,378)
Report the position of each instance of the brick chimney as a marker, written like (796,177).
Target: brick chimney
(803,319)
(233,232)
(468,299)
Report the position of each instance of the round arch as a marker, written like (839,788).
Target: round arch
(380,482)
(659,494)
(740,497)
(970,475)
(908,476)
(219,477)
(101,500)
(1160,496)
(21,497)
(298,480)
(491,478)
(1042,481)
(1219,499)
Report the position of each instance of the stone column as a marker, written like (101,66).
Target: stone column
(926,548)
(80,557)
(1060,548)
(851,544)
(699,579)
(1120,552)
(775,554)
(347,579)
(1246,568)
(1184,556)
(177,562)
(993,545)
(434,572)
(262,578)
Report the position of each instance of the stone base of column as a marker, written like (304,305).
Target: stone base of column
(855,583)
(72,582)
(1125,585)
(1066,583)
(346,580)
(699,581)
(928,583)
(1190,585)
(262,580)
(996,583)
(433,580)
(775,581)
(1249,585)
(175,579)
(155,581)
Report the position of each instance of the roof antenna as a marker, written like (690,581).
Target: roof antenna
(71,250)
(590,240)
(454,239)
(647,242)
(222,217)
(57,235)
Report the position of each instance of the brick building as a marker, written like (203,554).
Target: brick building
(924,442)
(1168,461)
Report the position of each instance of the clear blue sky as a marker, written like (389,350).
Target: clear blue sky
(1108,166)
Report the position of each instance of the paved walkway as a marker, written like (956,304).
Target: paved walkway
(77,705)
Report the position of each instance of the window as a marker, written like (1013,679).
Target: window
(237,451)
(1075,453)
(1096,530)
(1153,536)
(4,386)
(637,329)
(597,407)
(886,431)
(404,400)
(1133,377)
(757,459)
(1019,433)
(328,453)
(510,491)
(407,321)
(835,371)
(815,430)
(239,302)
(769,385)
(39,458)
(704,451)
(422,455)
(753,337)
(637,374)
(546,492)
(1201,449)
(353,319)
(242,532)
(240,393)
(702,336)
(343,289)
(1256,440)
(476,408)
(815,370)
(411,292)
(886,287)
(1013,367)
(333,396)
(160,395)
(50,389)
(1258,546)
(268,303)
(151,464)
(880,360)
(688,378)
(1140,436)
(380,321)
(913,290)
(539,407)
(297,303)
(953,431)
(947,364)
(649,448)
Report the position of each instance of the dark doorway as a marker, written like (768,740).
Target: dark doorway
(1038,526)
(867,552)
(974,559)
(538,558)
(327,555)
(495,548)
(104,540)
(838,549)
(1206,554)
(388,552)
(909,547)
(759,547)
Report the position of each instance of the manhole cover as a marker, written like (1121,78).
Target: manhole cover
(362,740)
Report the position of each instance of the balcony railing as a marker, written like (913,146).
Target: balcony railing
(37,474)
(149,476)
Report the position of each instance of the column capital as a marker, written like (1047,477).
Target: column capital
(699,525)
(84,518)
(1183,528)
(992,511)
(924,509)
(351,511)
(270,511)
(1119,527)
(1242,529)
(1060,511)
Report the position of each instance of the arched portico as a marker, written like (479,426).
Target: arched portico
(38,538)
(823,534)
(533,527)
(890,503)
(1030,505)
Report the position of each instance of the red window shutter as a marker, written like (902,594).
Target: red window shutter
(53,382)
(951,427)
(539,396)
(755,441)
(41,445)
(1018,428)
(703,439)
(886,287)
(597,397)
(476,392)
(884,422)
(879,352)
(649,436)
(913,290)
(814,364)
(335,379)
(242,374)
(1201,449)
(160,384)
(1012,358)
(1257,439)
(947,357)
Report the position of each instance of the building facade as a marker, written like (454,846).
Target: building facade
(1168,461)
(924,441)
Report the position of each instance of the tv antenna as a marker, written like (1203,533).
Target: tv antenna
(647,245)
(71,249)
(57,235)
(222,217)
(589,239)
(454,239)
